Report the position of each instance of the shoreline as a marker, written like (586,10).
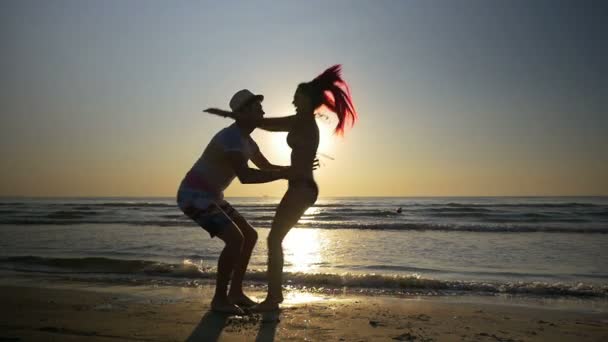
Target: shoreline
(188,274)
(49,309)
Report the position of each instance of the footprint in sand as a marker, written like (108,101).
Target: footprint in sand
(420,317)
(408,336)
(405,337)
(376,324)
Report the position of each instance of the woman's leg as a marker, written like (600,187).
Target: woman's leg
(292,207)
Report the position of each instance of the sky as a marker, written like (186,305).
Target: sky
(455,98)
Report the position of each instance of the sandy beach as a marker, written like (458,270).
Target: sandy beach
(74,311)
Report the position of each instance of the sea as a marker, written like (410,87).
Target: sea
(536,246)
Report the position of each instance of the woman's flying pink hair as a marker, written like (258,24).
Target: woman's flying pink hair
(336,97)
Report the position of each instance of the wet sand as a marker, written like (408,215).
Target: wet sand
(64,311)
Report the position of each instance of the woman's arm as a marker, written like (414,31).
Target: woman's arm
(280,124)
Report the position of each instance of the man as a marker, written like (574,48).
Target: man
(201,198)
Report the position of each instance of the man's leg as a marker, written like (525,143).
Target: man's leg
(250,237)
(200,207)
(233,238)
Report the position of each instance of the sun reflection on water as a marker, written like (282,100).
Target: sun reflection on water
(302,250)
(297,297)
(312,211)
(309,215)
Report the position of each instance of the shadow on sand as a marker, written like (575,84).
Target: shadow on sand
(213,323)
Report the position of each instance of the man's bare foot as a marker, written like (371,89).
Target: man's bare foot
(224,306)
(241,300)
(266,306)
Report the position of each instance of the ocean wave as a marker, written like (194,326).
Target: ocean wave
(12,204)
(134,205)
(9,212)
(364,206)
(192,270)
(174,216)
(91,264)
(496,217)
(179,222)
(519,205)
(83,207)
(359,213)
(567,215)
(71,214)
(83,216)
(452,227)
(533,219)
(183,221)
(458,209)
(400,268)
(501,274)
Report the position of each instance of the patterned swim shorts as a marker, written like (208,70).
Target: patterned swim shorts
(210,211)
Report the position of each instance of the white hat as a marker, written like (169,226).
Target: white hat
(242,98)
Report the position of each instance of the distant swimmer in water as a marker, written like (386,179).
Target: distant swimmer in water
(399,211)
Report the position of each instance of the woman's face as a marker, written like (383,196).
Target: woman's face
(301,101)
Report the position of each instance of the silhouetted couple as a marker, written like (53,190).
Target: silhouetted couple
(201,198)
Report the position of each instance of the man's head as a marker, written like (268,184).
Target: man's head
(246,102)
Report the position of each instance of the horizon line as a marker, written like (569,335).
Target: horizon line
(405,196)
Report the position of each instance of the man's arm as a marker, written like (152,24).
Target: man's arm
(263,164)
(247,175)
(260,161)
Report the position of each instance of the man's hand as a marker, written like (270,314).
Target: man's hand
(286,172)
(289,172)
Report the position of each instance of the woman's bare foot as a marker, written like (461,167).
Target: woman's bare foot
(224,306)
(241,300)
(269,304)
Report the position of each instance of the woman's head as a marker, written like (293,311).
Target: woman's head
(303,99)
(331,91)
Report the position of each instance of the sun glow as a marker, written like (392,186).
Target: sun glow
(281,152)
(326,138)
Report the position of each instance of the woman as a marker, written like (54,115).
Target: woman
(327,90)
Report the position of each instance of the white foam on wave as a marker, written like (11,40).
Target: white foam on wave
(190,270)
